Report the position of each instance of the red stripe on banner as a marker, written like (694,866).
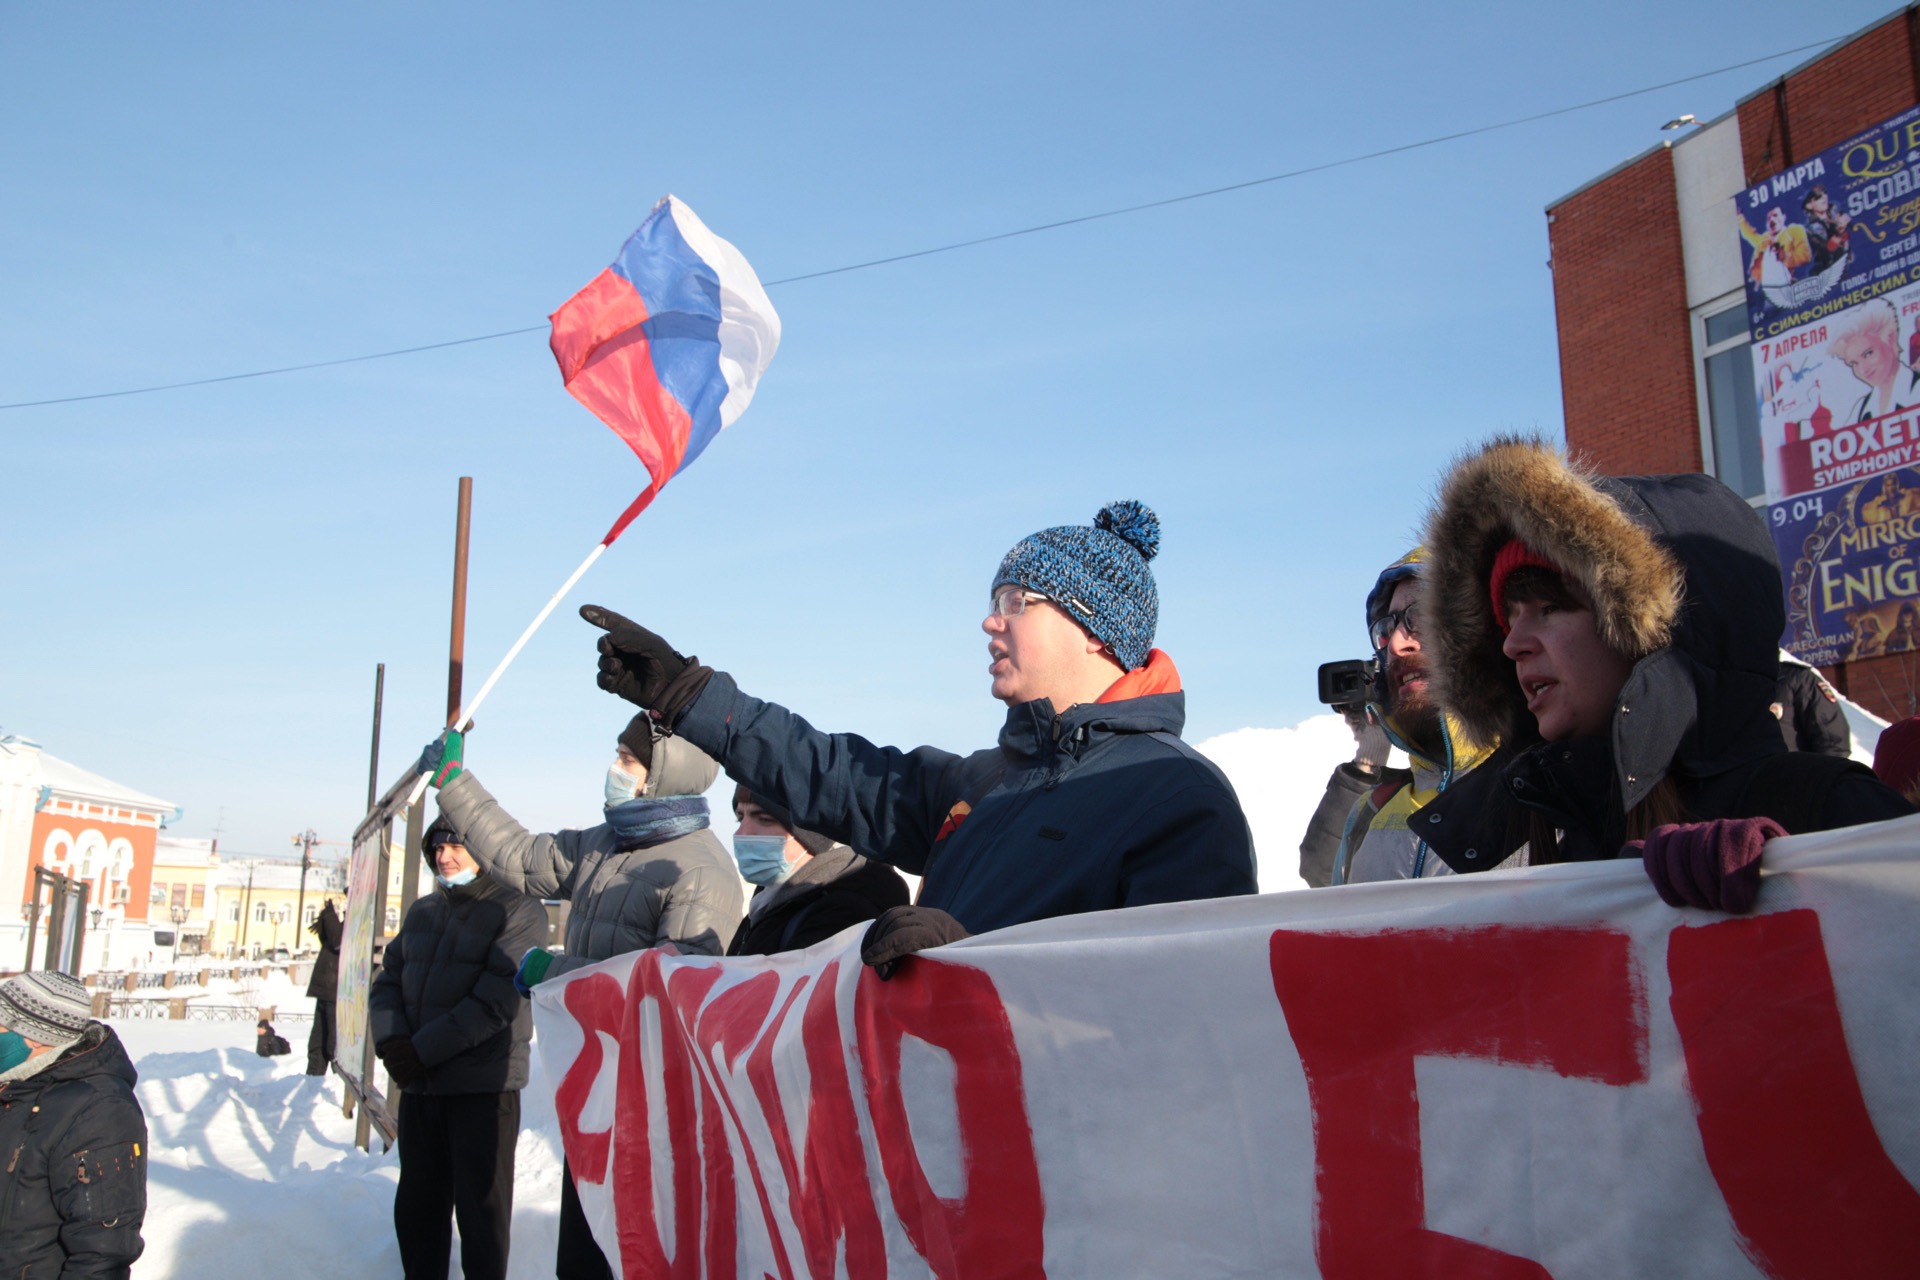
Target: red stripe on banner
(1786,1130)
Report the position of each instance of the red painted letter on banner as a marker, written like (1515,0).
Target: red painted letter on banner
(995,1227)
(1361,1007)
(1786,1129)
(596,1003)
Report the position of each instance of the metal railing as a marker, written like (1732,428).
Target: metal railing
(135,1009)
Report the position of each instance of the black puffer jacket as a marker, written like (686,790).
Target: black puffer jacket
(1684,580)
(447,982)
(1810,714)
(74,1142)
(325,982)
(830,891)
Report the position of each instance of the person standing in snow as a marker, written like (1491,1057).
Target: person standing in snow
(807,887)
(1090,801)
(652,873)
(323,985)
(453,1031)
(74,1137)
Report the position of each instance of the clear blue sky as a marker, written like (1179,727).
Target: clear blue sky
(198,583)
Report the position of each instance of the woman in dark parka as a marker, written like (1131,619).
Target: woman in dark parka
(1619,637)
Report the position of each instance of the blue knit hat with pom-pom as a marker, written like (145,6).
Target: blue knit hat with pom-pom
(1098,575)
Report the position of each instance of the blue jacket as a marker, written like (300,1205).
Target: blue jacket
(1099,807)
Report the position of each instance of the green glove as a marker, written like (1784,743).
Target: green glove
(441,760)
(533,969)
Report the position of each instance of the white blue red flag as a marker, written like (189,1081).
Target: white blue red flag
(667,345)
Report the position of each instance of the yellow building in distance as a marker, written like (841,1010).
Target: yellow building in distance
(254,905)
(180,899)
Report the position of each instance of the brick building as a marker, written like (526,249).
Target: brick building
(1650,290)
(56,815)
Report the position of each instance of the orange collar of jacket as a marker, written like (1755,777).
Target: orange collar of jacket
(1157,675)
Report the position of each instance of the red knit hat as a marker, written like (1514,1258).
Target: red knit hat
(1897,759)
(1515,555)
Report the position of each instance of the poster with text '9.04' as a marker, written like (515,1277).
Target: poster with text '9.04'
(1832,254)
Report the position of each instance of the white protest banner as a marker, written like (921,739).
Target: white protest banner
(1515,1074)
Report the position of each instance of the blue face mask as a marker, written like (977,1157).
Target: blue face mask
(762,859)
(621,786)
(14,1050)
(458,878)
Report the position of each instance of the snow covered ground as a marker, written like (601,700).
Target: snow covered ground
(253,1172)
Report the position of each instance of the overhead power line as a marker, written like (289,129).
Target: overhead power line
(1035,229)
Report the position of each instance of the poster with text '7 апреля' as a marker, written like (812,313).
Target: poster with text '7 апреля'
(1831,248)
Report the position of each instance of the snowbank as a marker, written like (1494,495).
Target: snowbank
(252,1168)
(1280,775)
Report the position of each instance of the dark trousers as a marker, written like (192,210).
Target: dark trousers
(456,1156)
(579,1256)
(320,1042)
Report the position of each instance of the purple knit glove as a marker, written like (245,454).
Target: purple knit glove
(1714,866)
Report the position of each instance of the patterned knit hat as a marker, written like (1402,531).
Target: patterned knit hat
(1098,575)
(45,1006)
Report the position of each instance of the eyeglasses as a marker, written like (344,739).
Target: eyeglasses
(1010,601)
(1407,620)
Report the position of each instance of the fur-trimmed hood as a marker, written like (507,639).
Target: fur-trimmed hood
(1684,581)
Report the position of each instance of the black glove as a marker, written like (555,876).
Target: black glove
(639,666)
(402,1061)
(901,931)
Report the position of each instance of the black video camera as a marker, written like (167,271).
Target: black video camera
(1349,683)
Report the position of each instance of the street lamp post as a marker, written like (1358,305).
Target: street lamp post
(306,840)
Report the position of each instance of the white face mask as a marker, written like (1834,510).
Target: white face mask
(762,859)
(621,786)
(458,878)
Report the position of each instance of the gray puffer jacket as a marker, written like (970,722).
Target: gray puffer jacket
(685,890)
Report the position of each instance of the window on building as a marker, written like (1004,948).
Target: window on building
(233,912)
(313,913)
(393,919)
(199,896)
(159,893)
(1733,406)
(259,913)
(179,895)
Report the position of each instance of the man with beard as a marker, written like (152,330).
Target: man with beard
(1379,842)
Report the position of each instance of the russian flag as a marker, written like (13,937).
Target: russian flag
(667,345)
